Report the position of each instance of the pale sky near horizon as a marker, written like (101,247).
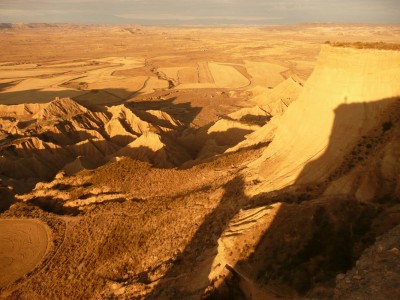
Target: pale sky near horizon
(200,11)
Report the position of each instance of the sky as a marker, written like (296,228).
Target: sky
(199,11)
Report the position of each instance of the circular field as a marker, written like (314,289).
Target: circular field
(23,244)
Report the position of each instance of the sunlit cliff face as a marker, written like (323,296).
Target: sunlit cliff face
(255,162)
(343,99)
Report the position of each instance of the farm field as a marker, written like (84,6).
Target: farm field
(236,162)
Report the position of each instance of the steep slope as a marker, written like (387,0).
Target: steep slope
(276,101)
(151,147)
(60,109)
(349,93)
(41,140)
(325,188)
(376,275)
(32,157)
(21,110)
(271,104)
(200,232)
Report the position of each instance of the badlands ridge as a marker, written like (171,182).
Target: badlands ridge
(294,196)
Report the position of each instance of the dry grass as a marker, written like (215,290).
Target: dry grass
(170,220)
(365,45)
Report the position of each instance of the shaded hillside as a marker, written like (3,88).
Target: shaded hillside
(41,140)
(265,204)
(342,76)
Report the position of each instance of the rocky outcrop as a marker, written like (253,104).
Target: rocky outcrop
(351,93)
(40,140)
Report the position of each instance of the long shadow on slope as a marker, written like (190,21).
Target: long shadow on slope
(183,112)
(352,145)
(311,239)
(43,165)
(324,235)
(109,96)
(7,198)
(304,245)
(93,99)
(204,145)
(96,100)
(349,146)
(204,240)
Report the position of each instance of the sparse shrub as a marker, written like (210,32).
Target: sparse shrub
(365,45)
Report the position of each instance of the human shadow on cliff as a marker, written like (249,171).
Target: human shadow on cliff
(312,238)
(324,234)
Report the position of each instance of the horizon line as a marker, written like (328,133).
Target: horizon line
(182,24)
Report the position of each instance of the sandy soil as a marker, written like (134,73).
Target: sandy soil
(188,163)
(124,65)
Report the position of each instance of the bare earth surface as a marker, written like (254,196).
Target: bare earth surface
(23,244)
(200,163)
